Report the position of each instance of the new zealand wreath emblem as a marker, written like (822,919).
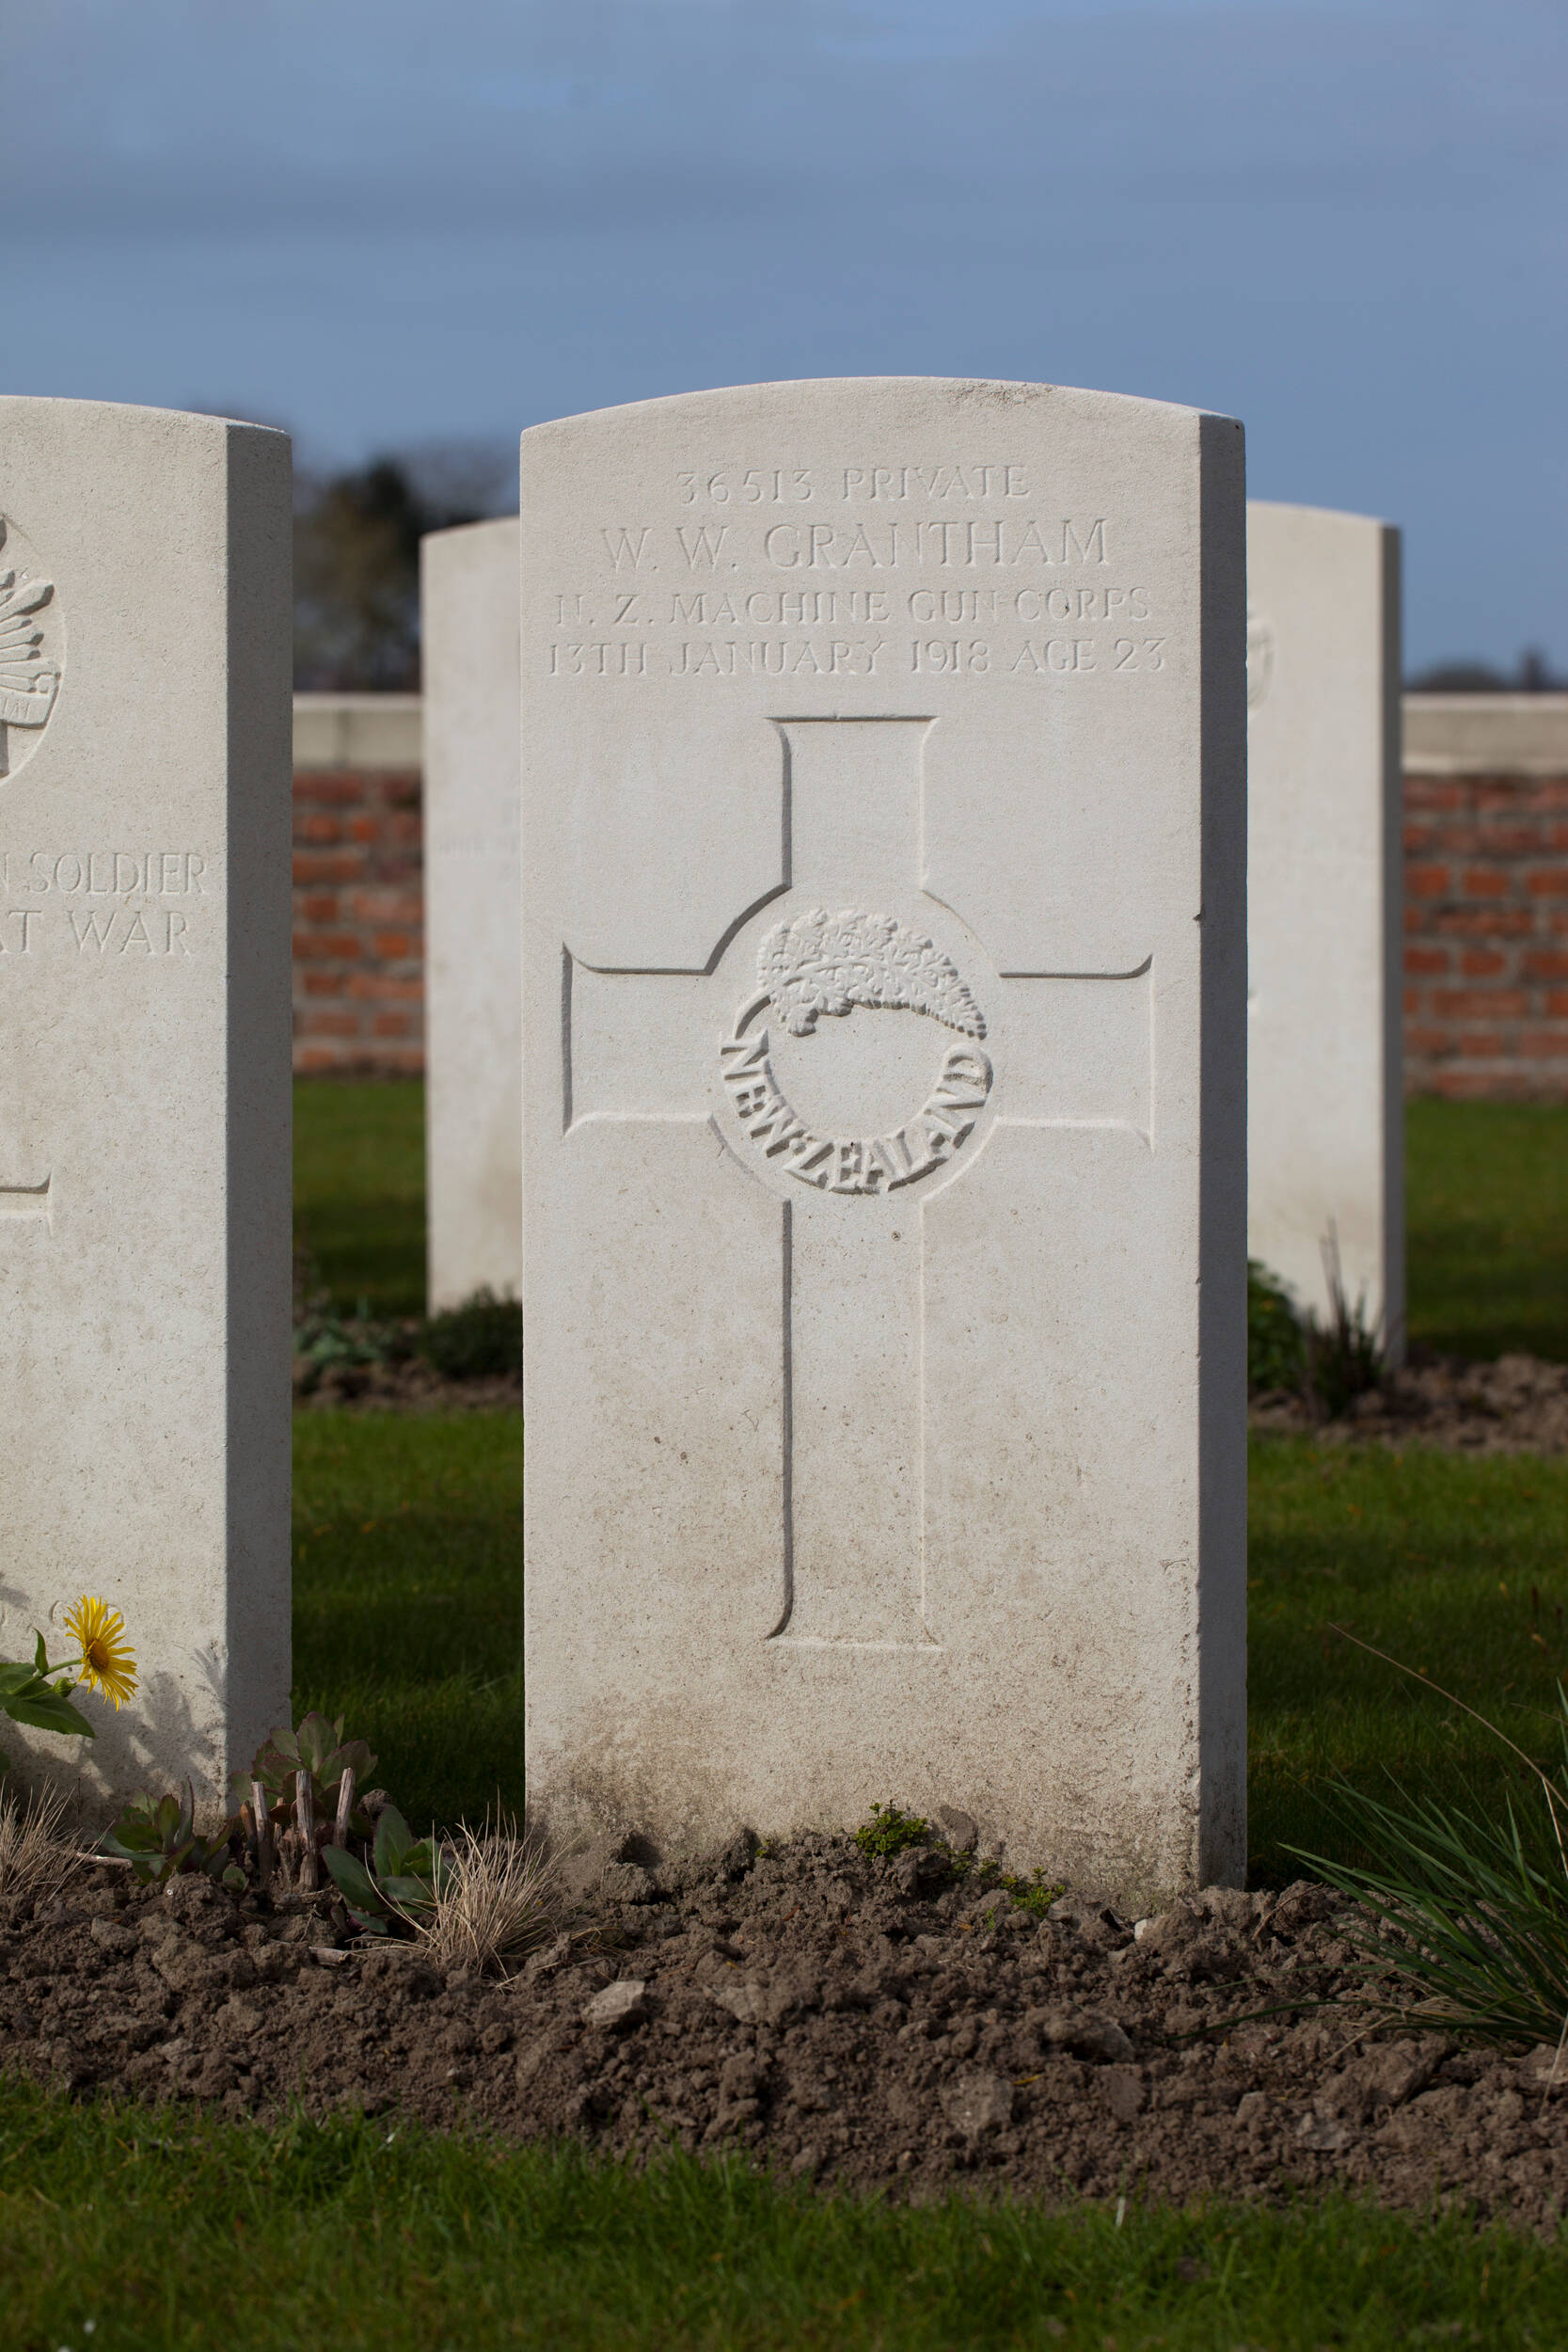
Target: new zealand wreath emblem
(31,649)
(824,965)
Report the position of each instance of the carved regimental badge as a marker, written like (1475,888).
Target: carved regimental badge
(32,649)
(1260,656)
(824,965)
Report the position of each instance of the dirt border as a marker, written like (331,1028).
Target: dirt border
(874,2023)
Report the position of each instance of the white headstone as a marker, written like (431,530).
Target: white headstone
(144,1074)
(884,1123)
(1325,1093)
(473,960)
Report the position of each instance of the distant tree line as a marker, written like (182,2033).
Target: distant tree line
(1532,675)
(357,558)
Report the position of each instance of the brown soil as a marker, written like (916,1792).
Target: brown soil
(1518,1405)
(871,2023)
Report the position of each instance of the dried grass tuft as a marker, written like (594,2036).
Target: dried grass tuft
(499,1895)
(34,1857)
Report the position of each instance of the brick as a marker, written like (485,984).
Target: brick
(308,1024)
(1557,1003)
(1546,963)
(387,902)
(1481,1004)
(1485,922)
(1427,882)
(319,906)
(1421,963)
(1547,882)
(386,987)
(1435,792)
(313,867)
(1479,1044)
(319,831)
(1508,841)
(392,1025)
(325,983)
(1486,882)
(1438,1042)
(327,947)
(329,788)
(1481,963)
(1541,1043)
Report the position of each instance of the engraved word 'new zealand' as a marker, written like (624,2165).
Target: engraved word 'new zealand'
(825,963)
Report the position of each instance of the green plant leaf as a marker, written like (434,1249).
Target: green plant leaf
(315,1740)
(49,1711)
(410,1895)
(394,1841)
(353,1882)
(16,1678)
(40,1657)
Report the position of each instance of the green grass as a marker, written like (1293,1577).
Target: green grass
(1487,1205)
(409,1614)
(171,2231)
(1453,1564)
(1486,1197)
(359,1190)
(167,2232)
(408,1599)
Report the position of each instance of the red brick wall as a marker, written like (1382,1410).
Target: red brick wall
(1487,935)
(359,922)
(1486,923)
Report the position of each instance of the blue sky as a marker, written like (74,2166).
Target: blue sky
(383,223)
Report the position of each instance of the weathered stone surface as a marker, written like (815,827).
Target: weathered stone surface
(978,2103)
(473,1011)
(1324,868)
(621,2005)
(144,1074)
(883,1151)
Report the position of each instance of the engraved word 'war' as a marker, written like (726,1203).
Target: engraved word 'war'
(31,649)
(827,963)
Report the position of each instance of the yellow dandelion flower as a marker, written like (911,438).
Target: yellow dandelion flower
(107,1664)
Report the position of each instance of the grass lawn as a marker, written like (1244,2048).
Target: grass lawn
(1456,1565)
(1486,1200)
(409,1614)
(408,1567)
(359,1189)
(166,2233)
(409,1598)
(128,2228)
(1486,1204)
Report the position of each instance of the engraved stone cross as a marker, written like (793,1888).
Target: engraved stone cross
(26,1200)
(856,1056)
